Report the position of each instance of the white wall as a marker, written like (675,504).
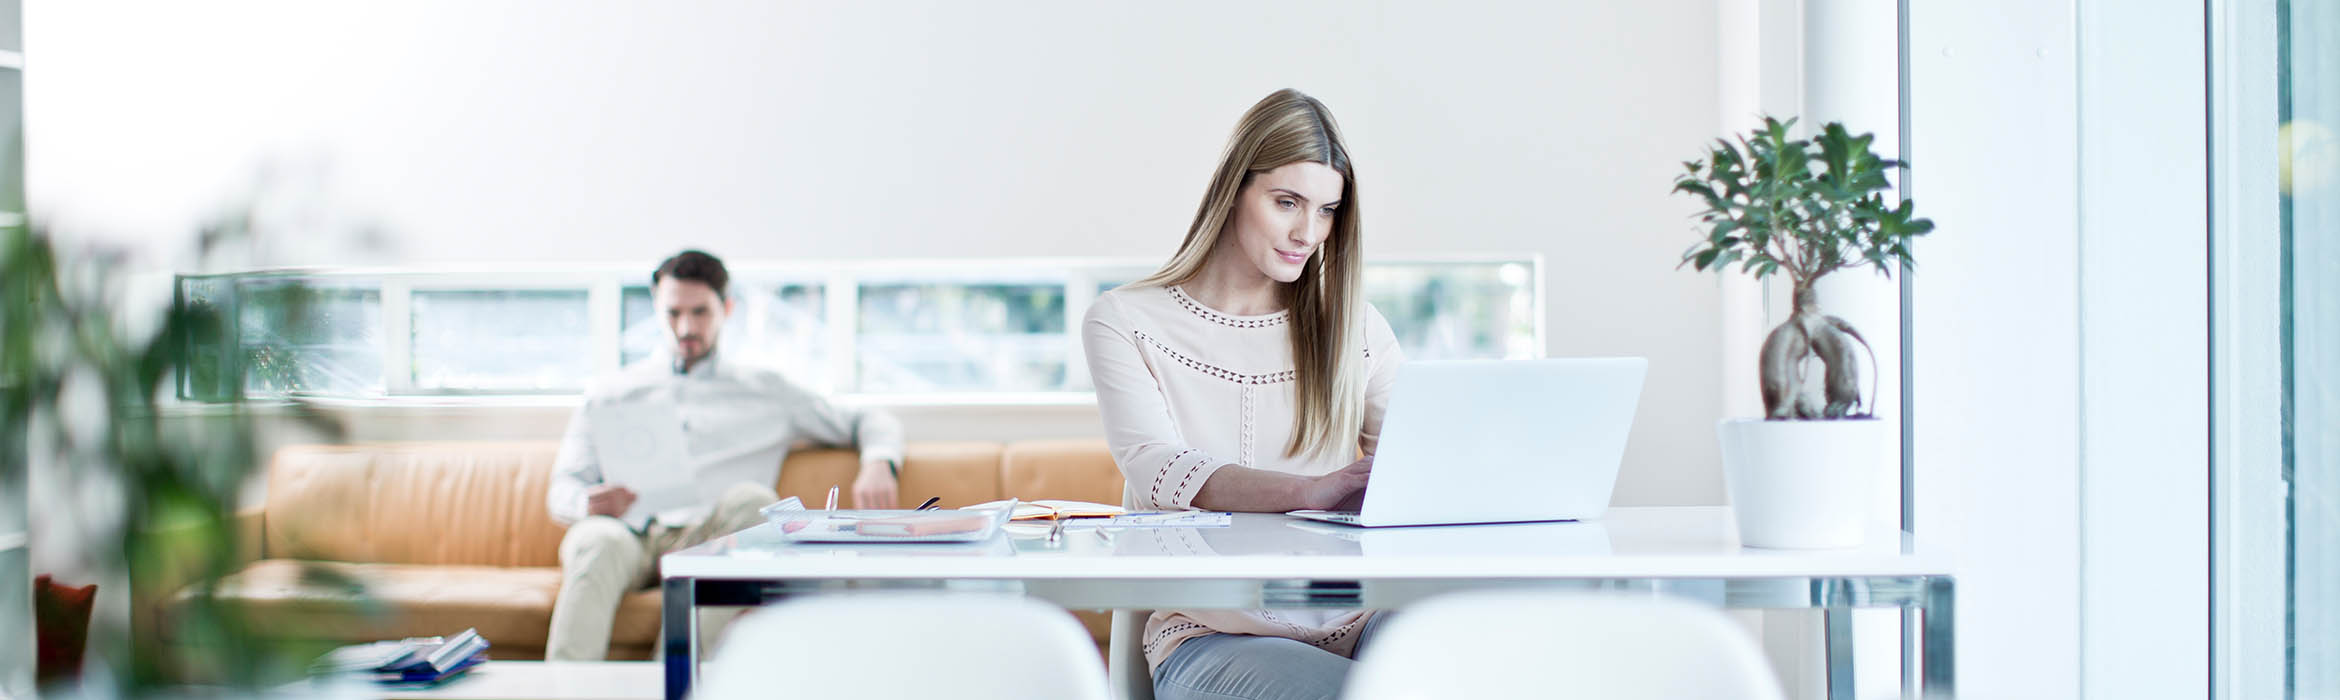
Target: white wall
(611,131)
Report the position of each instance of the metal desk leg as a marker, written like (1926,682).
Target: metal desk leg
(679,624)
(1937,645)
(1839,634)
(1910,622)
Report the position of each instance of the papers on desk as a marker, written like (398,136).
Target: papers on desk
(885,526)
(1176,519)
(639,445)
(1083,514)
(1186,518)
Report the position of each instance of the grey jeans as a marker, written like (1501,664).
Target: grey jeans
(1246,667)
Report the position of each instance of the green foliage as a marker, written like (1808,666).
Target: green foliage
(1804,207)
(77,363)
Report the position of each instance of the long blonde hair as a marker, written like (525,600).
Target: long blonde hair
(1327,344)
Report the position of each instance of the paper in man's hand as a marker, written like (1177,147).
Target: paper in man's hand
(640,447)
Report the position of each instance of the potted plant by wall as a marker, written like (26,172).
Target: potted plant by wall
(1804,208)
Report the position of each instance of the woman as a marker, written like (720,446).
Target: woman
(1250,375)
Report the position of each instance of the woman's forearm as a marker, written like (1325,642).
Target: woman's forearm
(1247,490)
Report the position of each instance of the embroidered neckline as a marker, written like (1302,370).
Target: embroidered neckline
(1209,314)
(1215,370)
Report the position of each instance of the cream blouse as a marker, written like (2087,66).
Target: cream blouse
(1185,390)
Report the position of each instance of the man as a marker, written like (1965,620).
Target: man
(738,422)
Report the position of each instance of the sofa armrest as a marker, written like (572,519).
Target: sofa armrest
(251,536)
(157,584)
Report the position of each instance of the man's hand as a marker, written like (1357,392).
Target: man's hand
(875,488)
(607,499)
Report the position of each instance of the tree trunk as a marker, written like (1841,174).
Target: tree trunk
(1807,333)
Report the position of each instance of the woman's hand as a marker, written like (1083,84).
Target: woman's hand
(1344,487)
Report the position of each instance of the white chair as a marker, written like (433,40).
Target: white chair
(1125,656)
(906,647)
(1560,645)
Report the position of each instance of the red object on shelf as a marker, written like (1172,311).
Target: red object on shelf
(61,627)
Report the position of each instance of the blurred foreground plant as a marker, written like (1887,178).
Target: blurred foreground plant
(86,370)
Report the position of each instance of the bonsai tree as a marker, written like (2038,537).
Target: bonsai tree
(1806,208)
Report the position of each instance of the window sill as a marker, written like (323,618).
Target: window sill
(431,404)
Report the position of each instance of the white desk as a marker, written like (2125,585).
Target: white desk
(510,680)
(1271,561)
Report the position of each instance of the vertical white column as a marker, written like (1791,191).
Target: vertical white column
(2144,339)
(1760,48)
(604,316)
(16,649)
(1852,74)
(1759,74)
(2249,644)
(1994,332)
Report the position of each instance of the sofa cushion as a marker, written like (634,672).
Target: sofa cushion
(482,503)
(450,535)
(511,607)
(456,503)
(506,605)
(1080,470)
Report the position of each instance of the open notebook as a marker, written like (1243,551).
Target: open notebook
(1054,509)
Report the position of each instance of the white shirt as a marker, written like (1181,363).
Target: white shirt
(739,421)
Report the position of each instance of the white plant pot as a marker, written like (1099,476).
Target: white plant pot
(1801,484)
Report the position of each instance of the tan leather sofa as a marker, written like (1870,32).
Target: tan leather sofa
(449,535)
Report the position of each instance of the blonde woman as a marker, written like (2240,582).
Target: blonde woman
(1249,374)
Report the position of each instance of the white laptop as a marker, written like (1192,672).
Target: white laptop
(1499,441)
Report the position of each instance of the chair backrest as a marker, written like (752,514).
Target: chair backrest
(1126,671)
(906,647)
(1560,645)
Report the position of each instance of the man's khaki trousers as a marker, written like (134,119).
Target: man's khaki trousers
(602,560)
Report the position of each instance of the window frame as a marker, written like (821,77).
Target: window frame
(2248,523)
(840,281)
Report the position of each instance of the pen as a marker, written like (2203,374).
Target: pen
(832,499)
(929,503)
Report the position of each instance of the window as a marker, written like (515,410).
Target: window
(2308,143)
(281,336)
(929,330)
(1458,311)
(305,338)
(2276,347)
(942,337)
(507,341)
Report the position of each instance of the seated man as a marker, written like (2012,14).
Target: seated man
(738,422)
